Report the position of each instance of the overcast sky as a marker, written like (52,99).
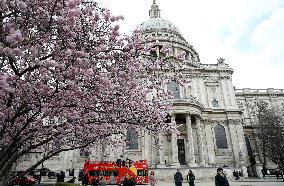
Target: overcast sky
(249,34)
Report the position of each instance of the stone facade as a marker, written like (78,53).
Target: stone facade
(212,117)
(246,99)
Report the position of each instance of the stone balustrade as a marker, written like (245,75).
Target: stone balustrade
(259,91)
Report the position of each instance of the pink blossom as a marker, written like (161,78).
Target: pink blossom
(74,12)
(116,27)
(90,72)
(97,16)
(107,15)
(17,52)
(165,50)
(51,63)
(22,5)
(113,18)
(65,76)
(15,37)
(181,55)
(73,3)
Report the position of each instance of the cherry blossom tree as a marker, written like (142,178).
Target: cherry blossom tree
(68,78)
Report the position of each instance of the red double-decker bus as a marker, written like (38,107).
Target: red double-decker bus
(114,172)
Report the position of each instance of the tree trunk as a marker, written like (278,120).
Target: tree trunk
(264,155)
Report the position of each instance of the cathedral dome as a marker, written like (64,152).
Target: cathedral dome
(158,24)
(162,33)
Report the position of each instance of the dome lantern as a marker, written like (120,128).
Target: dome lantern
(155,11)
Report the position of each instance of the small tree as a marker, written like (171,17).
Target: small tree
(270,131)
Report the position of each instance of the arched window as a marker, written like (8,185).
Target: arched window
(174,89)
(84,152)
(249,149)
(131,140)
(250,152)
(220,136)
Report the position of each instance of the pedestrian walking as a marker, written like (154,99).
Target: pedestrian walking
(190,178)
(236,175)
(128,181)
(112,179)
(277,173)
(103,181)
(221,179)
(153,181)
(95,181)
(85,179)
(264,172)
(178,178)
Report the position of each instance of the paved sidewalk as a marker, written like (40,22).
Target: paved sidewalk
(241,183)
(246,182)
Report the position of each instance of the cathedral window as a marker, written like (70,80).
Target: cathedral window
(55,145)
(162,52)
(220,136)
(186,56)
(131,140)
(174,89)
(84,152)
(215,103)
(250,152)
(249,149)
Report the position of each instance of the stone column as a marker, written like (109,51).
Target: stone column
(154,152)
(175,161)
(146,147)
(161,151)
(200,142)
(235,143)
(210,144)
(243,149)
(191,158)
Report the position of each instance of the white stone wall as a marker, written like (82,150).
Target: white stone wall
(246,99)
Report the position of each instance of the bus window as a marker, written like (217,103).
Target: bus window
(94,173)
(142,173)
(115,173)
(107,173)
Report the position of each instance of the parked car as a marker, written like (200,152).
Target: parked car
(25,180)
(52,175)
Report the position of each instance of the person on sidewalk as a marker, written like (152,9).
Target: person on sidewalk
(153,181)
(85,180)
(128,181)
(103,181)
(190,178)
(221,179)
(236,174)
(277,173)
(264,172)
(178,178)
(95,181)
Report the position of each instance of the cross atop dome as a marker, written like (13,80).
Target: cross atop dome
(155,11)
